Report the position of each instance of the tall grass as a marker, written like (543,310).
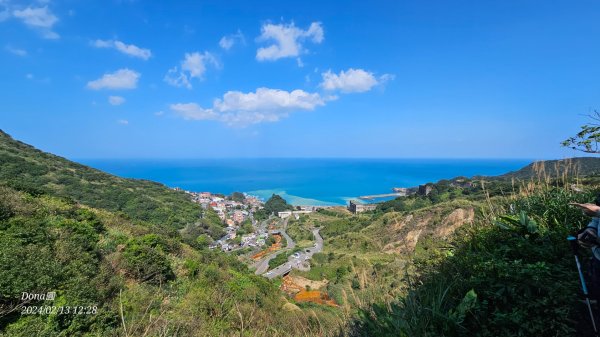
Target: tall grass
(511,273)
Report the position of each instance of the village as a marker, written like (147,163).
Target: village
(245,231)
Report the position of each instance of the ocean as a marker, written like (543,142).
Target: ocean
(303,181)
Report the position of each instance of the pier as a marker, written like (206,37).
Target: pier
(376,196)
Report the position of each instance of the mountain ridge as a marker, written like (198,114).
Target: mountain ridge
(27,168)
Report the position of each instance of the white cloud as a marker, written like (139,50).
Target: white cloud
(178,79)
(242,109)
(195,63)
(50,35)
(193,111)
(36,17)
(16,51)
(39,18)
(120,79)
(352,80)
(123,121)
(159,113)
(226,42)
(229,41)
(193,66)
(103,43)
(116,100)
(287,40)
(127,49)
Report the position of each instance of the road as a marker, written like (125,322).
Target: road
(299,260)
(263,264)
(290,243)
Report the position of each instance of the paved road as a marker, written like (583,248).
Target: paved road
(263,264)
(299,260)
(290,243)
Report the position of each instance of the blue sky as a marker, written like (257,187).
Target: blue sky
(203,79)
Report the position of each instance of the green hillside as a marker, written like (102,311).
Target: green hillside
(25,168)
(123,273)
(473,257)
(581,166)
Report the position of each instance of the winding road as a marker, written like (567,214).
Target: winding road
(299,260)
(263,265)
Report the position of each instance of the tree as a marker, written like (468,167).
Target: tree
(238,196)
(203,241)
(277,204)
(588,138)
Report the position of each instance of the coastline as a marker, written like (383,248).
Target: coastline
(305,182)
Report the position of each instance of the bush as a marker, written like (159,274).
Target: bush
(520,267)
(145,261)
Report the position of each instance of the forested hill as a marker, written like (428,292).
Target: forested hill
(26,168)
(581,166)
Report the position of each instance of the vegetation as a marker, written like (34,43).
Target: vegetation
(237,196)
(515,270)
(480,257)
(588,138)
(27,169)
(280,259)
(245,227)
(299,230)
(585,167)
(277,204)
(141,276)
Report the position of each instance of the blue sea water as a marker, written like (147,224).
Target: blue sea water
(303,181)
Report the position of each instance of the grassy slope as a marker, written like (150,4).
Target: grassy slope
(93,257)
(505,274)
(485,280)
(582,166)
(131,264)
(366,256)
(25,168)
(197,292)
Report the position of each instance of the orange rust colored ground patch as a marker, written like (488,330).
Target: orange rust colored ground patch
(315,296)
(303,295)
(289,286)
(274,247)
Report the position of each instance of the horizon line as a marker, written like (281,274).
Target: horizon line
(322,158)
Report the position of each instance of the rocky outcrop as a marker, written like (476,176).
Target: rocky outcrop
(402,233)
(457,218)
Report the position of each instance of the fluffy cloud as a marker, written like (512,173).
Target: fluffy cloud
(193,66)
(16,51)
(120,79)
(193,111)
(39,18)
(116,100)
(242,109)
(127,49)
(226,42)
(229,41)
(287,40)
(352,80)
